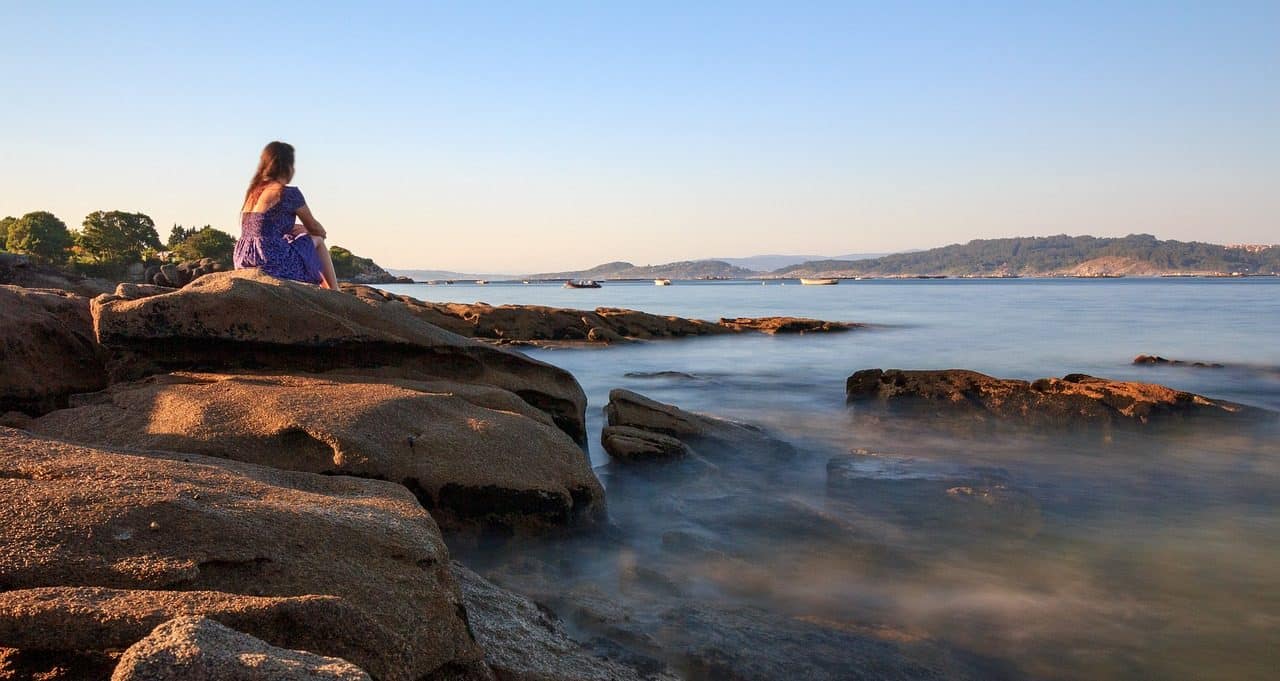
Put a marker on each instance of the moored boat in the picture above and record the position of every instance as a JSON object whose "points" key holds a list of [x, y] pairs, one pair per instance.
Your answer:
{"points": [[582, 283], [819, 282], [661, 282]]}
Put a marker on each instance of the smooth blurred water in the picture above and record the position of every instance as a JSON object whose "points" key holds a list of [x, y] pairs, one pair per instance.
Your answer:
{"points": [[1147, 555]]}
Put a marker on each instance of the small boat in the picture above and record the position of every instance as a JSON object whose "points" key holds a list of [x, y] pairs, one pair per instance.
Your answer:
{"points": [[482, 282], [819, 282], [582, 283], [661, 282]]}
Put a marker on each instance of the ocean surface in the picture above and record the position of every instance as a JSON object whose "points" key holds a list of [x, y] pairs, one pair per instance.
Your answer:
{"points": [[1153, 554]]}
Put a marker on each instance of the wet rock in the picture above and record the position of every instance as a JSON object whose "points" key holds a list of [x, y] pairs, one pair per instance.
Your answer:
{"points": [[775, 325], [473, 454], [47, 349], [358, 562], [1156, 359], [1072, 399], [636, 445], [524, 642], [229, 321], [633, 410], [925, 494], [200, 649]]}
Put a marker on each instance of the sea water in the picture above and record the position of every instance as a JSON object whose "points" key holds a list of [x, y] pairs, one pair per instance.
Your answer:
{"points": [[1153, 554]]}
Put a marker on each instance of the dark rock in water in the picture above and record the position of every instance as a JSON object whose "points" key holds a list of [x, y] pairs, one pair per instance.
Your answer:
{"points": [[474, 455], [246, 320], [524, 642], [926, 494], [99, 547], [20, 270], [663, 374], [775, 325], [1070, 400], [639, 413], [191, 648], [636, 445], [47, 349], [1156, 359]]}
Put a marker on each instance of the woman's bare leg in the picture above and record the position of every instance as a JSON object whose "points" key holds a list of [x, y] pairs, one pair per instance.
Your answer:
{"points": [[326, 264]]}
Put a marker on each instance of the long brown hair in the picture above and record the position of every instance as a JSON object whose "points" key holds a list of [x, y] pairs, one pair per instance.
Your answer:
{"points": [[276, 164]]}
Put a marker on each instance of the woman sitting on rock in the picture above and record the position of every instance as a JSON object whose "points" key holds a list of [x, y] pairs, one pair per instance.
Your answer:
{"points": [[269, 239]]}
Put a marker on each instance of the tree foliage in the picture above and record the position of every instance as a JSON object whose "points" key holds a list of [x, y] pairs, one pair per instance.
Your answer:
{"points": [[205, 242], [5, 224], [116, 237], [40, 234]]}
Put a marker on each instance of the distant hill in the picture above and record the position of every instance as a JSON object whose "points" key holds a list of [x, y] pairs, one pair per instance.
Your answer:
{"points": [[433, 275], [688, 269], [768, 263], [1136, 254]]}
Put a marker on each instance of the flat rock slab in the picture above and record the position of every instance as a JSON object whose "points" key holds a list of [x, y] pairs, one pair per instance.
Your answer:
{"points": [[196, 648], [47, 349], [99, 545], [246, 320], [472, 454], [635, 445], [1070, 400]]}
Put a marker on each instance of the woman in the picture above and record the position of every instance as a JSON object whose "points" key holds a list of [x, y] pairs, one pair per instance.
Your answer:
{"points": [[269, 239]]}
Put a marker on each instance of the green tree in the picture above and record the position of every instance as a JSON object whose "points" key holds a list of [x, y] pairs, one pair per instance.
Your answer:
{"points": [[206, 243], [5, 224], [116, 237], [178, 235], [40, 234]]}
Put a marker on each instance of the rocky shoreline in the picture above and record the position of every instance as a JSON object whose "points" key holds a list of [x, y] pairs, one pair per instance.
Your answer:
{"points": [[248, 468]]}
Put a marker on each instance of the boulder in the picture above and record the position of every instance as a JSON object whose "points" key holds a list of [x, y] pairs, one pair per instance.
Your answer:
{"points": [[196, 648], [21, 270], [1070, 400], [525, 642], [229, 321], [635, 445], [47, 349], [358, 562], [473, 454]]}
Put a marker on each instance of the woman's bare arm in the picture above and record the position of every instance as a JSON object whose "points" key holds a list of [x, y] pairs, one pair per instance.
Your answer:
{"points": [[314, 228]]}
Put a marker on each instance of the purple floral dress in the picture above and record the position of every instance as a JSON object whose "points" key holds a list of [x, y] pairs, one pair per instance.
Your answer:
{"points": [[266, 242]]}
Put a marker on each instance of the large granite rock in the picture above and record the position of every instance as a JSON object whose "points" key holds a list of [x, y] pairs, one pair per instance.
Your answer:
{"points": [[337, 566], [1073, 399], [229, 321], [540, 324], [196, 648], [473, 454], [523, 642], [47, 349]]}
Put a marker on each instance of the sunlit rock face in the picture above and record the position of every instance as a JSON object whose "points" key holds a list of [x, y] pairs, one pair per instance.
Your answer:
{"points": [[475, 455], [1075, 399], [245, 320], [101, 546]]}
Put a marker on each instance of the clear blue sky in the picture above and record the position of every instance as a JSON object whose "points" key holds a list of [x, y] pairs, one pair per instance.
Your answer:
{"points": [[545, 135]]}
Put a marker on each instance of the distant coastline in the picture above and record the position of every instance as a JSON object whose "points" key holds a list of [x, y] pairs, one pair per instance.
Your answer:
{"points": [[1136, 255]]}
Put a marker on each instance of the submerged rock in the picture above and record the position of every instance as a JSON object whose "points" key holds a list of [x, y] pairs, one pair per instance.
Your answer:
{"points": [[47, 349], [640, 414], [1072, 399], [473, 454], [196, 648], [524, 642], [775, 325], [634, 444], [100, 547], [233, 321]]}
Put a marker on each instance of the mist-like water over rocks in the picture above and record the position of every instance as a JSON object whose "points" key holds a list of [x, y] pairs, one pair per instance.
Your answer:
{"points": [[911, 546]]}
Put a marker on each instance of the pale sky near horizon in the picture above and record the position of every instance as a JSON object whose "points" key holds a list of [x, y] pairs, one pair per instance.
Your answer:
{"points": [[520, 137]]}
